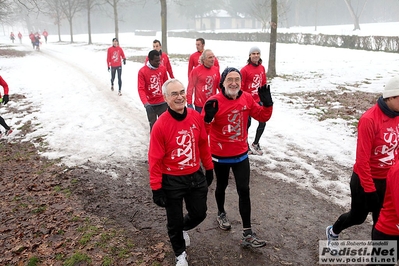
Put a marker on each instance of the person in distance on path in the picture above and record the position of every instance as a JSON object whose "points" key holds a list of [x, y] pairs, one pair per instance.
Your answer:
{"points": [[115, 57]]}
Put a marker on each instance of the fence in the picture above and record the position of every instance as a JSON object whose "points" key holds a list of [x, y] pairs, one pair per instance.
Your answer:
{"points": [[369, 43]]}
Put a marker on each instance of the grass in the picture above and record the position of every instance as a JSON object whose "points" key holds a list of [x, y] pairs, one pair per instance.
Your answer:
{"points": [[77, 258], [34, 261]]}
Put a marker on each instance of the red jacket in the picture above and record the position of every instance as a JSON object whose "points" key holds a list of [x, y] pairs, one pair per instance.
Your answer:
{"points": [[194, 61], [203, 82], [114, 56], [228, 131], [177, 147], [166, 63], [4, 84], [149, 84], [377, 146], [253, 77], [388, 221], [45, 33]]}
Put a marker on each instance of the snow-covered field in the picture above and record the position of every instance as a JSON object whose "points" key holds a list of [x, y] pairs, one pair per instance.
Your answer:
{"points": [[81, 119]]}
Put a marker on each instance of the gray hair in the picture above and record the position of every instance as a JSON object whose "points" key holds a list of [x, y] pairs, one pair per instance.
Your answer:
{"points": [[203, 55], [169, 81]]}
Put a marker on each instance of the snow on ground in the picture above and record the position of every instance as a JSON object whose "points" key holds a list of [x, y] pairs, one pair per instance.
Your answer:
{"points": [[82, 120]]}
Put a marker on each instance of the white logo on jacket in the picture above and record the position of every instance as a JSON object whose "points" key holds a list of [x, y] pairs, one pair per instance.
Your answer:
{"points": [[256, 83], [234, 128], [390, 150], [155, 84], [184, 154]]}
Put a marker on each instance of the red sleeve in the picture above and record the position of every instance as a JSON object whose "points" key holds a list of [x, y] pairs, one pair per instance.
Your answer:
{"points": [[394, 187], [217, 82], [204, 147], [122, 53], [108, 58], [141, 85], [190, 87], [168, 66], [364, 145], [165, 75], [216, 64], [4, 84], [156, 153], [190, 64], [258, 112]]}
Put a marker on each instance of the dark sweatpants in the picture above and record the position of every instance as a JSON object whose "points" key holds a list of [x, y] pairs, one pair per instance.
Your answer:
{"points": [[241, 175], [119, 70], [4, 124], [359, 209], [193, 189], [156, 111]]}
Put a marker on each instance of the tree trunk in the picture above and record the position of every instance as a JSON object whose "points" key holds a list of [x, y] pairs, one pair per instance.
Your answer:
{"points": [[353, 15], [164, 26], [271, 71], [88, 20], [116, 20], [71, 29], [59, 28], [315, 17]]}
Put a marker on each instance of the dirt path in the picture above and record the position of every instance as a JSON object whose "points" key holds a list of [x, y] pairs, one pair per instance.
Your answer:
{"points": [[291, 219]]}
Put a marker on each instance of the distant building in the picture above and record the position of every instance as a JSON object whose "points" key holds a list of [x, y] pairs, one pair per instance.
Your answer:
{"points": [[221, 19]]}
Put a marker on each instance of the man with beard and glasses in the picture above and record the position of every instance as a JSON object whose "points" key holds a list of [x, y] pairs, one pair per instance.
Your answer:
{"points": [[226, 116]]}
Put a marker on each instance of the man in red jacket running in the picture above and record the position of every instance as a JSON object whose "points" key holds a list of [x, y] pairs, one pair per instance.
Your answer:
{"points": [[115, 56], [226, 115], [203, 81], [376, 152], [178, 146], [156, 45], [254, 77], [194, 59], [150, 79]]}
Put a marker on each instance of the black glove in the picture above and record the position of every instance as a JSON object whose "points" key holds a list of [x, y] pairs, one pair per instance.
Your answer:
{"points": [[265, 96], [190, 106], [211, 108], [109, 69], [209, 176], [124, 61], [5, 99], [372, 200], [159, 197]]}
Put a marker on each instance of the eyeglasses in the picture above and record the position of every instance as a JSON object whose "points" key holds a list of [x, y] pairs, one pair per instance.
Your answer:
{"points": [[231, 80], [175, 94]]}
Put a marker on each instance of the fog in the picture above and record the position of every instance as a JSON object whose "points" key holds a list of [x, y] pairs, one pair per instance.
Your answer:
{"points": [[146, 15]]}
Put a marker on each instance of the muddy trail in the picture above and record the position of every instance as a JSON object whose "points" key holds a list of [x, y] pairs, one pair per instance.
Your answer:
{"points": [[291, 219]]}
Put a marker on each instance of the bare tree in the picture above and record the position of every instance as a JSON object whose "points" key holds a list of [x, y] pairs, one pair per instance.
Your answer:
{"points": [[355, 15], [164, 25], [259, 9], [70, 8], [271, 70], [114, 5], [53, 9], [90, 4]]}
